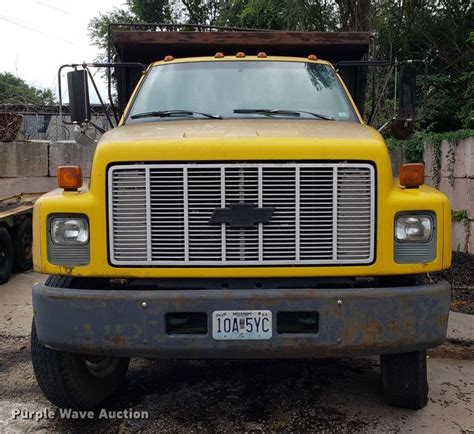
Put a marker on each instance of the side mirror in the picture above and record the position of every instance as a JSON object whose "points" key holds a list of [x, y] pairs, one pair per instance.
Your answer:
{"points": [[403, 125], [79, 103], [407, 92]]}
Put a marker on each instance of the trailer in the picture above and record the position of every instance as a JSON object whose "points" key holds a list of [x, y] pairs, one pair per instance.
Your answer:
{"points": [[16, 237]]}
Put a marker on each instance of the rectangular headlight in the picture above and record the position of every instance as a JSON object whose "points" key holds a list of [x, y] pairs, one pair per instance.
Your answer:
{"points": [[413, 228], [415, 237], [69, 231]]}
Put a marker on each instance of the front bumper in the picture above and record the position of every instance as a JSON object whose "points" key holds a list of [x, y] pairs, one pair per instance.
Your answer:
{"points": [[352, 321]]}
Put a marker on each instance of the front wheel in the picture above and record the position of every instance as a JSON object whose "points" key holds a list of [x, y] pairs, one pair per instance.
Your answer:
{"points": [[76, 381], [404, 379]]}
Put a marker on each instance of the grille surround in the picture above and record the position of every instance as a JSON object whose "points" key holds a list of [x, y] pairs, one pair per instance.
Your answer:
{"points": [[148, 196]]}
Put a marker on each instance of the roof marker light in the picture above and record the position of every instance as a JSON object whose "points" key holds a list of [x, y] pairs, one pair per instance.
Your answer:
{"points": [[313, 57], [240, 54], [219, 55], [169, 58], [262, 55]]}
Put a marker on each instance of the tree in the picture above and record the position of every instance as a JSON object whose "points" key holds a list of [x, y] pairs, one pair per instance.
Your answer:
{"points": [[14, 90], [298, 15], [436, 31], [98, 28], [467, 82], [433, 30]]}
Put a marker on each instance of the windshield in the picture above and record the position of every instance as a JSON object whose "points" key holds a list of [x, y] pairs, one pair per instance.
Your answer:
{"points": [[241, 89]]}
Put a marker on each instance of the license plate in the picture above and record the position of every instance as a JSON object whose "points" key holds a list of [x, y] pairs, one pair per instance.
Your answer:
{"points": [[241, 324]]}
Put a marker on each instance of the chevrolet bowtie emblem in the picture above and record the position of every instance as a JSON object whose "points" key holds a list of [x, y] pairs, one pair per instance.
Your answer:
{"points": [[241, 215]]}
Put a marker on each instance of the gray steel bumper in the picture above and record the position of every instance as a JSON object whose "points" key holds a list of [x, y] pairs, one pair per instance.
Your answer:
{"points": [[351, 321]]}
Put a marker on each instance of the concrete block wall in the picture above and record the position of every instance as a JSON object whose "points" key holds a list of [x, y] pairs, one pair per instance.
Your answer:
{"points": [[461, 193], [30, 167], [70, 153], [19, 159]]}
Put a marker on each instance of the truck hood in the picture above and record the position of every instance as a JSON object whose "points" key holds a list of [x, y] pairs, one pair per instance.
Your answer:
{"points": [[240, 140], [241, 128]]}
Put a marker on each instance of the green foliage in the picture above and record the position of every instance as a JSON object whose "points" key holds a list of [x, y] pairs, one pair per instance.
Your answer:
{"points": [[453, 138], [14, 90], [438, 31], [462, 216], [151, 11], [413, 149], [299, 15], [467, 81], [98, 28]]}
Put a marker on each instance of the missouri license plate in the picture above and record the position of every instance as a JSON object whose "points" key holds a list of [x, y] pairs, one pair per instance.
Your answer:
{"points": [[241, 324]]}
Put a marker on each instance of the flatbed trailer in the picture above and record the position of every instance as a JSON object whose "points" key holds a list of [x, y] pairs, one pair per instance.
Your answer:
{"points": [[16, 236]]}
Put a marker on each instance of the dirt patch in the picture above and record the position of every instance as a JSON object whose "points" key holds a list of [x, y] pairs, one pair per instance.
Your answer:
{"points": [[461, 277], [453, 349], [209, 396]]}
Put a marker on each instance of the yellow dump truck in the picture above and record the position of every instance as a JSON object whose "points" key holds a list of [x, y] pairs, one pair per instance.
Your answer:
{"points": [[240, 209]]}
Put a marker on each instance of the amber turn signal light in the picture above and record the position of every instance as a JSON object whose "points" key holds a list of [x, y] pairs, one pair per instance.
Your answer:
{"points": [[69, 177], [412, 175]]}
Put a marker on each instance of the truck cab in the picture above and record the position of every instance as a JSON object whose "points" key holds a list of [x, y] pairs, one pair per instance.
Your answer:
{"points": [[240, 209]]}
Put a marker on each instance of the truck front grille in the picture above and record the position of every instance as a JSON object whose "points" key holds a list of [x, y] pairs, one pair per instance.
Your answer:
{"points": [[323, 214]]}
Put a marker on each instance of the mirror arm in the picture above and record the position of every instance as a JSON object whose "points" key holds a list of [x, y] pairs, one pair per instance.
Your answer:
{"points": [[98, 96], [99, 129], [109, 74], [86, 66], [380, 96], [395, 90], [359, 63], [61, 93], [383, 126]]}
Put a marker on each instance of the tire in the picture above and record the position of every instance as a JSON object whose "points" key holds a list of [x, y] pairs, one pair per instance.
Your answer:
{"points": [[404, 379], [22, 240], [76, 381], [6, 255]]}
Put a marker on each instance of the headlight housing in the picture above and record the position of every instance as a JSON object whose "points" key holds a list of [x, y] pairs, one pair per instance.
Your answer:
{"points": [[414, 228], [67, 231]]}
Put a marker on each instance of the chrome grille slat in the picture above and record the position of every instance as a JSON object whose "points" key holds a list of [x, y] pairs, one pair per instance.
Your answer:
{"points": [[159, 214]]}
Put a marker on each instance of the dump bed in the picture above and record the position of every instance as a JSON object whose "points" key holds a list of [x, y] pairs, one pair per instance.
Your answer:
{"points": [[150, 46]]}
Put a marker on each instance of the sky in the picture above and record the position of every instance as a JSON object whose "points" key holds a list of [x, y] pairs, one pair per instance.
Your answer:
{"points": [[38, 36]]}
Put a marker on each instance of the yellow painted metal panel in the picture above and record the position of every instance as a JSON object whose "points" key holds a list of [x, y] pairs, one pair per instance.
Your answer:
{"points": [[139, 143]]}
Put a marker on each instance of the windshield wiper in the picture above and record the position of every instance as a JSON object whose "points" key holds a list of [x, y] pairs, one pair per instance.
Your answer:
{"points": [[268, 112], [170, 113]]}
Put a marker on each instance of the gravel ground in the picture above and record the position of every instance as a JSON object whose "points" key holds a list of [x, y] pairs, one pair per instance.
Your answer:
{"points": [[330, 395]]}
